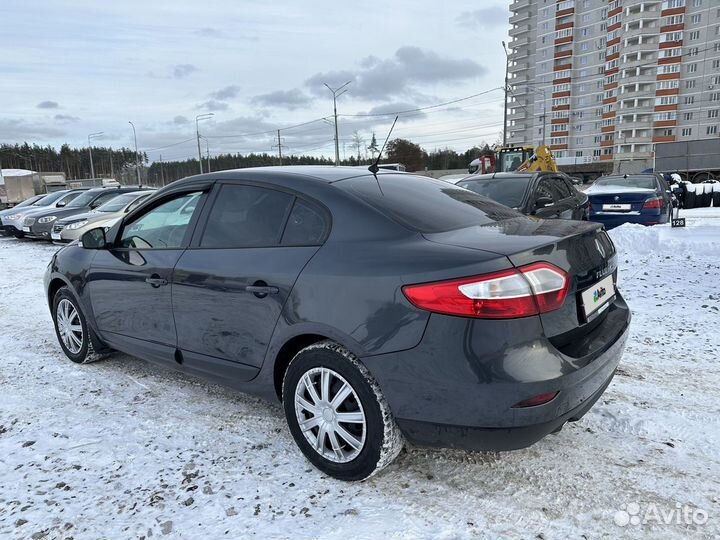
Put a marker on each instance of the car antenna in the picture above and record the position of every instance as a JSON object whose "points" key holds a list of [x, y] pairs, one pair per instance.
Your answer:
{"points": [[374, 167]]}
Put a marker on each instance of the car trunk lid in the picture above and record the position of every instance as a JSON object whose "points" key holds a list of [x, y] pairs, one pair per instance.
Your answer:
{"points": [[580, 248], [621, 201]]}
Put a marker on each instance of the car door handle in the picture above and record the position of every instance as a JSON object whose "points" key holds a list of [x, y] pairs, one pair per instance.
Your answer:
{"points": [[261, 290], [156, 281]]}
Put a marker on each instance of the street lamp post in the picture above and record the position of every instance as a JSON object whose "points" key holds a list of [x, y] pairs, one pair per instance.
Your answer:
{"points": [[197, 134], [507, 67], [92, 166], [137, 156], [336, 93]]}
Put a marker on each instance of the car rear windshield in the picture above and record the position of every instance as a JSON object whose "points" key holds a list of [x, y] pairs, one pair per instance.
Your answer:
{"points": [[639, 182], [509, 190], [424, 204]]}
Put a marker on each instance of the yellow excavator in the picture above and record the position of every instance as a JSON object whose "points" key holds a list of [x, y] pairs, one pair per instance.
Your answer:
{"points": [[525, 159]]}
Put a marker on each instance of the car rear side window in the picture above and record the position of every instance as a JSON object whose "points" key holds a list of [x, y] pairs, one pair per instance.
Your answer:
{"points": [[306, 226], [245, 216], [424, 204]]}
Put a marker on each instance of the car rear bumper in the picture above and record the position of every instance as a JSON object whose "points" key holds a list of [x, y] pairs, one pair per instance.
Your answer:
{"points": [[458, 387], [611, 220]]}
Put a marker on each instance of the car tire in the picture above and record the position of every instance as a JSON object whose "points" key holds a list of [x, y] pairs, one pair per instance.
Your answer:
{"points": [[71, 328], [350, 451]]}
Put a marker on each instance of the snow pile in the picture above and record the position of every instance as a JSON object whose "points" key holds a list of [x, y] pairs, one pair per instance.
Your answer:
{"points": [[701, 235]]}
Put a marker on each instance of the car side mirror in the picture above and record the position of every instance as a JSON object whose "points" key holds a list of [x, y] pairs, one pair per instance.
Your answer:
{"points": [[542, 202], [94, 239], [60, 204]]}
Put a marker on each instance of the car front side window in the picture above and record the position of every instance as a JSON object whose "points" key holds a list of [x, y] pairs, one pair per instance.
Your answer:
{"points": [[163, 227]]}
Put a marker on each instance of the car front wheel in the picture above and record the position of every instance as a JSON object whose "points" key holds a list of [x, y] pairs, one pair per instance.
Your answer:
{"points": [[71, 328], [337, 414]]}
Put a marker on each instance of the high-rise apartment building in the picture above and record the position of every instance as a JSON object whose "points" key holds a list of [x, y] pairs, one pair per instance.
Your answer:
{"points": [[603, 81]]}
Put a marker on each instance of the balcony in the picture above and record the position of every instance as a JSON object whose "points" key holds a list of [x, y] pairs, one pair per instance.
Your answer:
{"points": [[524, 15], [519, 42], [519, 30], [519, 4], [519, 68]]}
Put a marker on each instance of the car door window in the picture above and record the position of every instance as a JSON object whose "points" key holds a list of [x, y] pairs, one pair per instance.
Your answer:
{"points": [[545, 188], [562, 187], [102, 199], [163, 227], [245, 216], [137, 202], [307, 225]]}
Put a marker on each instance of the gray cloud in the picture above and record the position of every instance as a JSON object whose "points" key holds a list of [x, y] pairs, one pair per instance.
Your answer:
{"points": [[226, 93], [180, 120], [288, 99], [378, 79], [488, 18], [66, 118], [208, 32], [183, 70], [214, 105], [48, 105], [19, 130]]}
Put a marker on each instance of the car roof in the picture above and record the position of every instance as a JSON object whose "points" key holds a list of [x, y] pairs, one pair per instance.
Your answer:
{"points": [[500, 175], [325, 174]]}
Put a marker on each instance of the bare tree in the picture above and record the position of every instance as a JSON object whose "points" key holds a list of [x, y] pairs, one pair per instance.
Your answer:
{"points": [[358, 143]]}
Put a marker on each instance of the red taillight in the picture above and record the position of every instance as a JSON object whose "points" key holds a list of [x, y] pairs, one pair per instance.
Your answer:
{"points": [[540, 399], [653, 203], [509, 294]]}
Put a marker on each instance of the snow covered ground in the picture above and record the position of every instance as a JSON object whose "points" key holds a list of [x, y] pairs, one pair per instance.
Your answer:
{"points": [[122, 449]]}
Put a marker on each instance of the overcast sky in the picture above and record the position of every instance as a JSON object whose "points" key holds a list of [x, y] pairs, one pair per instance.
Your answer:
{"points": [[72, 67]]}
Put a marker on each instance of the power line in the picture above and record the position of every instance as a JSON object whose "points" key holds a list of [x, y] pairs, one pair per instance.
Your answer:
{"points": [[418, 109]]}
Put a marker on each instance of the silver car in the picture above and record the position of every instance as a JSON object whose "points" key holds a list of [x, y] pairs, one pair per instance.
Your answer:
{"points": [[12, 222], [72, 228]]}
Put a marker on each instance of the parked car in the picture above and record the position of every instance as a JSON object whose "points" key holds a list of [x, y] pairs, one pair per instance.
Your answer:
{"points": [[27, 202], [13, 223], [634, 198], [542, 194], [39, 225], [372, 307], [72, 228]]}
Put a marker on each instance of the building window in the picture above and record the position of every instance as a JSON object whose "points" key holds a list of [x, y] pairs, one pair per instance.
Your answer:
{"points": [[692, 68], [688, 116], [697, 3], [596, 153], [690, 83], [689, 100], [716, 64], [713, 113], [716, 79], [694, 35], [715, 96], [686, 132], [693, 51], [578, 153], [695, 19], [712, 130]]}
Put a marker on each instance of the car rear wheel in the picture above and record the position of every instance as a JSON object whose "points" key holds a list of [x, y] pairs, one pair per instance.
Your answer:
{"points": [[72, 330], [337, 414]]}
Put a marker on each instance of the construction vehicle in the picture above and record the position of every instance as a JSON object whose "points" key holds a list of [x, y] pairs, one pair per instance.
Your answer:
{"points": [[525, 159]]}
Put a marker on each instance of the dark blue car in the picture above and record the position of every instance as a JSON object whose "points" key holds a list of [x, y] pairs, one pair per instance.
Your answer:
{"points": [[630, 198]]}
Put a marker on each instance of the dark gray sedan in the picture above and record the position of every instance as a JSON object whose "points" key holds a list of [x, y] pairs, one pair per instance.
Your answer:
{"points": [[374, 308]]}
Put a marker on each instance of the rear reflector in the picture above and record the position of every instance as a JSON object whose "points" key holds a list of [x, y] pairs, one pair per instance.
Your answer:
{"points": [[540, 399], [653, 203], [509, 294]]}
